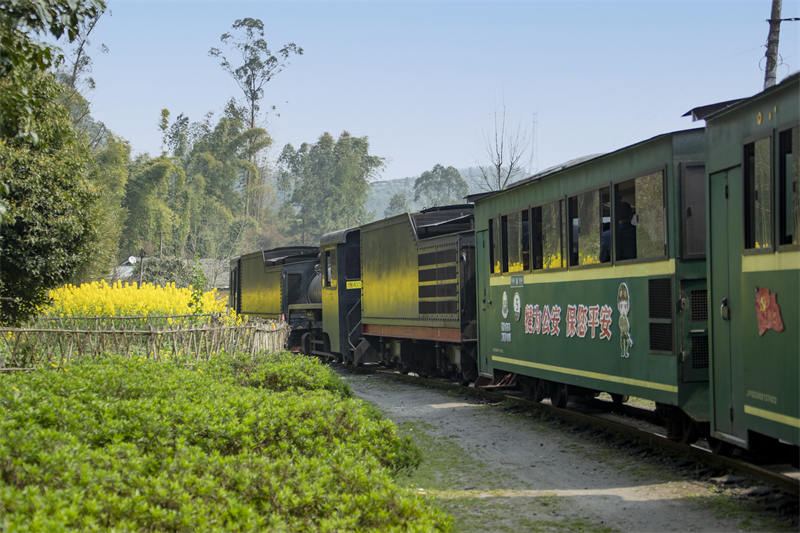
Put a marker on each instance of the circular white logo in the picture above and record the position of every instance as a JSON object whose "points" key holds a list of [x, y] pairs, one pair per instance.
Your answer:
{"points": [[517, 305], [504, 308]]}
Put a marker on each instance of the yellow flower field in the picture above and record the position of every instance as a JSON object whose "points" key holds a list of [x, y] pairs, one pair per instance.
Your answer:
{"points": [[125, 299]]}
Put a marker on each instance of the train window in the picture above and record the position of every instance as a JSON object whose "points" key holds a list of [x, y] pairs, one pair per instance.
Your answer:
{"points": [[494, 266], [514, 225], [789, 185], [504, 241], [546, 229], [583, 214], [525, 235], [757, 194], [605, 224], [352, 263], [326, 269], [639, 220]]}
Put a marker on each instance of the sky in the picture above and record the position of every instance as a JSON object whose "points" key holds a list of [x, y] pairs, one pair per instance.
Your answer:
{"points": [[423, 80]]}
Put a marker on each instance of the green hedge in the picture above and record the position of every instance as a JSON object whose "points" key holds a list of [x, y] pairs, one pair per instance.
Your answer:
{"points": [[272, 443]]}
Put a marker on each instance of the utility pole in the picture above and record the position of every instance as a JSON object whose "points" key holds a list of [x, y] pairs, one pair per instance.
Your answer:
{"points": [[772, 44]]}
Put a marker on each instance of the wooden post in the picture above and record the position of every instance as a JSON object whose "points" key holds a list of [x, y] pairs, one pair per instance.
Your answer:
{"points": [[770, 73]]}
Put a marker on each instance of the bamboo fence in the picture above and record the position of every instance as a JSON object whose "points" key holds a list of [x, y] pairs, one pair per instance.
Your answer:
{"points": [[28, 348]]}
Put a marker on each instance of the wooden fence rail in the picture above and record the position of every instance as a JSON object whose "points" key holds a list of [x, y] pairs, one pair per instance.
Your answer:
{"points": [[27, 348]]}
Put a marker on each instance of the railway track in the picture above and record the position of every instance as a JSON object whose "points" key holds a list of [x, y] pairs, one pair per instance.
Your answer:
{"points": [[632, 423]]}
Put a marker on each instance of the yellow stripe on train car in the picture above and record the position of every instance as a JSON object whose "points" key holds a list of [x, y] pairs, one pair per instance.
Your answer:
{"points": [[587, 374]]}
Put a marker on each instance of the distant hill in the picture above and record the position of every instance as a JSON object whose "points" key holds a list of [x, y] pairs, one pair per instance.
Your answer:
{"points": [[380, 192]]}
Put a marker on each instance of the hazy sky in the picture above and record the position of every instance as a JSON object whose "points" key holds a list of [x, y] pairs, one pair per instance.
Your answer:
{"points": [[423, 79]]}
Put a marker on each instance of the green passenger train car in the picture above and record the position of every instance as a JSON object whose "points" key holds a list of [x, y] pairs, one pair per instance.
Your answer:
{"points": [[753, 208], [592, 277]]}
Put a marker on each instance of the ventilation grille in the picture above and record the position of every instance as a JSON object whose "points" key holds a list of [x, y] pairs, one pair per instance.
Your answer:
{"points": [[438, 257], [438, 291], [447, 307], [700, 351], [700, 306], [438, 274], [660, 294], [661, 337]]}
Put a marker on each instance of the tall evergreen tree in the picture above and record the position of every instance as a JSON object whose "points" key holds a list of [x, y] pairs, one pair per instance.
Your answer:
{"points": [[326, 184]]}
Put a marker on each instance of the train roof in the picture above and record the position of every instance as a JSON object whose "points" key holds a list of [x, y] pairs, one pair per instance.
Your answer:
{"points": [[288, 254], [442, 220], [336, 237], [763, 94], [574, 163]]}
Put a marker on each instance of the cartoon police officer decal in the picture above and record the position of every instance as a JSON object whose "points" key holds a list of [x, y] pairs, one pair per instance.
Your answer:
{"points": [[624, 306], [504, 308], [517, 306]]}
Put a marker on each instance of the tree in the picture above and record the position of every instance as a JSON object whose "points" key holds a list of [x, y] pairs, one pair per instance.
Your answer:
{"points": [[21, 56], [398, 204], [326, 184], [48, 232], [108, 176], [440, 186], [258, 66], [505, 149]]}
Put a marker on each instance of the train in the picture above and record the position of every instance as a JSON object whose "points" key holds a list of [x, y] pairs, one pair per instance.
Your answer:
{"points": [[667, 270]]}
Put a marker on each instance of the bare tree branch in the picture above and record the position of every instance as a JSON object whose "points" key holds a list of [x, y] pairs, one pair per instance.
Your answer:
{"points": [[505, 150]]}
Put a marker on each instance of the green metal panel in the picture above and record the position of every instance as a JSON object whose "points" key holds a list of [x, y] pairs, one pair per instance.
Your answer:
{"points": [[721, 241], [599, 359], [755, 372], [261, 287]]}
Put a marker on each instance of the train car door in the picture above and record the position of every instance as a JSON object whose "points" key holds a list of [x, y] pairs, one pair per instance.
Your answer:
{"points": [[726, 253], [484, 299]]}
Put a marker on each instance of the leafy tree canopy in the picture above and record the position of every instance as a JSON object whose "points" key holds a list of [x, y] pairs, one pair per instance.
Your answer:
{"points": [[397, 204], [326, 183], [48, 231], [440, 186]]}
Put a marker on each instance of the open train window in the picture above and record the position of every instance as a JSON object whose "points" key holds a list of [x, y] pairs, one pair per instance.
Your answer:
{"points": [[525, 235], [639, 218], [789, 186], [326, 269], [757, 194], [546, 229], [504, 242], [514, 246], [584, 219]]}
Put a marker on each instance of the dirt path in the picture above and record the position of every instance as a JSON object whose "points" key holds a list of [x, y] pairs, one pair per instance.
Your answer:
{"points": [[495, 470]]}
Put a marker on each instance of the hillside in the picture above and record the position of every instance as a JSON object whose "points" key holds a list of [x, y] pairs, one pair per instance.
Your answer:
{"points": [[380, 192]]}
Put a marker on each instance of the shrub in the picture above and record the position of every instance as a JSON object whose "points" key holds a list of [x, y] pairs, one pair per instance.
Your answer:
{"points": [[139, 445]]}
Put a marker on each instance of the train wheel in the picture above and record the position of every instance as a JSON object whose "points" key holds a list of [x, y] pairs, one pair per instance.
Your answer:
{"points": [[619, 399], [559, 394], [469, 367], [541, 391], [720, 447]]}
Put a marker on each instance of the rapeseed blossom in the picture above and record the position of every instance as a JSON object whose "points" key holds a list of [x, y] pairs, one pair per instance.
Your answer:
{"points": [[99, 299]]}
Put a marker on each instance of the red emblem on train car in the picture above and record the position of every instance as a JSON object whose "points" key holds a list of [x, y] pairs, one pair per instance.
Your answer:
{"points": [[768, 311]]}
